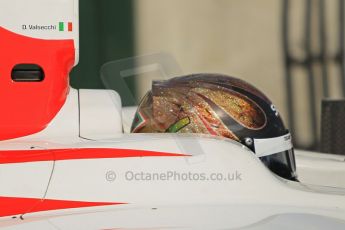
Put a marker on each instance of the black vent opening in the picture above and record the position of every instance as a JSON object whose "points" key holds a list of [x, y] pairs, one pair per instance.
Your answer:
{"points": [[27, 73]]}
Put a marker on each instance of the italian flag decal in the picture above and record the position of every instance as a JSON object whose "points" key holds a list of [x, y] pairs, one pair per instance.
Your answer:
{"points": [[66, 26], [139, 121]]}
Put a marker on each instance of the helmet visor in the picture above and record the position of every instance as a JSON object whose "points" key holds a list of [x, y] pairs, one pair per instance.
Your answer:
{"points": [[278, 155]]}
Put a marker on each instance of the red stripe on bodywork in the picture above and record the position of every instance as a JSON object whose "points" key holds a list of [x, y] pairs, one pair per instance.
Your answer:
{"points": [[22, 156], [28, 107], [10, 206]]}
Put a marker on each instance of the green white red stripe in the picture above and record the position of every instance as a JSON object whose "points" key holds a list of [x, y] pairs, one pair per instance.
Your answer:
{"points": [[65, 26]]}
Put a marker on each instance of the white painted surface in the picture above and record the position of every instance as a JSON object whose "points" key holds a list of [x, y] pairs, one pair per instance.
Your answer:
{"points": [[255, 199], [30, 180], [41, 13], [208, 217], [320, 169], [128, 114], [65, 123], [100, 114]]}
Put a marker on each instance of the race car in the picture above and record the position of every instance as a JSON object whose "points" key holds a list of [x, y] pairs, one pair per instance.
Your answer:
{"points": [[182, 159]]}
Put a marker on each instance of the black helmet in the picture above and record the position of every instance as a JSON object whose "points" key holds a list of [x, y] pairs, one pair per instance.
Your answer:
{"points": [[223, 106]]}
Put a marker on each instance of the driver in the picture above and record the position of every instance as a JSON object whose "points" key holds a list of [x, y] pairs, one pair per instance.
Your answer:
{"points": [[219, 105]]}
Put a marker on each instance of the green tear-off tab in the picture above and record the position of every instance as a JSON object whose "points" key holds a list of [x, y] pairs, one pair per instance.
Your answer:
{"points": [[178, 125]]}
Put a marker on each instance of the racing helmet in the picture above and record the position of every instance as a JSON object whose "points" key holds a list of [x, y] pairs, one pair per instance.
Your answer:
{"points": [[223, 106]]}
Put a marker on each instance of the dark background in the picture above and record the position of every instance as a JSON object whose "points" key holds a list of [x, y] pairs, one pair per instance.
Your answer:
{"points": [[106, 34]]}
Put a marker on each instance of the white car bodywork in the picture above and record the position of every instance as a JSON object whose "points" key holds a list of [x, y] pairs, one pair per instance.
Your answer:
{"points": [[85, 170], [258, 200]]}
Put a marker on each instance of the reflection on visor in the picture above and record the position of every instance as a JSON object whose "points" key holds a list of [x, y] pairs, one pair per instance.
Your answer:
{"points": [[278, 155], [282, 163]]}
